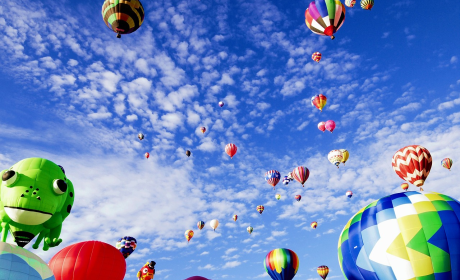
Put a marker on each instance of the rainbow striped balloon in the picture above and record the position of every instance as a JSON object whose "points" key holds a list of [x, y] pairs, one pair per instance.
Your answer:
{"points": [[447, 163], [281, 264]]}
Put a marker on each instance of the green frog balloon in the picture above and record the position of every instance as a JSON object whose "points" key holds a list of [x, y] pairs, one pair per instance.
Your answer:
{"points": [[35, 198]]}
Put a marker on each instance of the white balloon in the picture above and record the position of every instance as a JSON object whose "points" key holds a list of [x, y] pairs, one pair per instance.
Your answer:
{"points": [[214, 224]]}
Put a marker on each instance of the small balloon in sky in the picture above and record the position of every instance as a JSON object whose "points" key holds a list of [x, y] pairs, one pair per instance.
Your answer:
{"points": [[314, 225], [188, 153], [322, 126], [323, 271], [281, 264], [367, 4], [349, 194], [221, 104], [412, 164], [278, 196], [447, 163], [231, 149], [298, 197], [345, 155], [272, 177], [200, 225], [214, 224], [250, 229], [123, 17], [301, 174], [203, 129], [405, 186], [330, 125], [350, 3], [316, 56], [235, 217], [189, 234], [147, 155], [335, 157], [325, 17], [140, 136], [319, 101], [260, 209]]}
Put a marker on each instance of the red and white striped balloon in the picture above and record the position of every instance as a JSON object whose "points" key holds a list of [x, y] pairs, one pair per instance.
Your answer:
{"points": [[231, 149], [301, 174], [412, 164]]}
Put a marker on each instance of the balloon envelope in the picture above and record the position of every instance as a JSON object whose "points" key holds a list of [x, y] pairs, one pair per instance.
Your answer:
{"points": [[123, 17], [272, 177], [316, 56], [412, 164], [214, 224], [330, 125], [231, 149], [126, 245], [281, 264], [301, 174], [322, 126], [197, 278], [325, 17], [447, 163]]}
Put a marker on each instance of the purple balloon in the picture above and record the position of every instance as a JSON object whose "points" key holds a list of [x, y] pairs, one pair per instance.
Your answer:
{"points": [[197, 278]]}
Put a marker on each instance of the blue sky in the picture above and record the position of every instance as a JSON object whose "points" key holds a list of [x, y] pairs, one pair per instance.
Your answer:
{"points": [[73, 93]]}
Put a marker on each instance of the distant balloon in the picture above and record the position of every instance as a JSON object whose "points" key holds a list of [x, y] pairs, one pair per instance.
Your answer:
{"points": [[140, 136], [286, 180], [197, 278], [322, 126], [325, 17], [345, 155], [405, 186], [314, 225], [214, 224], [278, 196], [301, 174], [349, 194], [367, 4], [298, 197], [235, 217], [319, 101], [231, 149], [260, 209], [123, 17], [323, 271], [290, 177], [188, 153], [316, 56], [147, 155], [335, 157], [200, 225], [272, 177], [203, 129], [281, 264], [126, 245], [330, 125], [350, 3], [250, 229], [412, 164], [447, 163], [221, 104], [189, 234]]}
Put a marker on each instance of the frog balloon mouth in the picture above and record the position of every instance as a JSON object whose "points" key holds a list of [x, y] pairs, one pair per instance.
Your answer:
{"points": [[27, 216]]}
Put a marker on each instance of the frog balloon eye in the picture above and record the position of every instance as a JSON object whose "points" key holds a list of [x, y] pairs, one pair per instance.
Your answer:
{"points": [[9, 177], [59, 186]]}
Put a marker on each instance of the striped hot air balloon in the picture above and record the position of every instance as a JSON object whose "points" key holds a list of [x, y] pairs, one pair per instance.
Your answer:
{"points": [[301, 174], [447, 163], [314, 225], [405, 186], [325, 17], [323, 271], [319, 101], [189, 234], [350, 3], [123, 16], [412, 164], [367, 4], [231, 149], [281, 264], [235, 217], [260, 209], [272, 177], [316, 56], [200, 225], [250, 229]]}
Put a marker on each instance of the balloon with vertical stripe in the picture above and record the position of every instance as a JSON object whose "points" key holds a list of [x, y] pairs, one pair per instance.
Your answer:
{"points": [[301, 174], [325, 17], [447, 163], [281, 264], [123, 16], [323, 271], [367, 4]]}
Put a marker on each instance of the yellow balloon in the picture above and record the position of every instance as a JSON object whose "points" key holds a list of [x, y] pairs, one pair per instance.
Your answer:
{"points": [[345, 154]]}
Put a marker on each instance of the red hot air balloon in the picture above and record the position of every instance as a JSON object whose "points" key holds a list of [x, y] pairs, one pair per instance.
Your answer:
{"points": [[88, 260], [330, 125], [301, 174], [230, 149], [322, 126], [412, 164], [147, 155]]}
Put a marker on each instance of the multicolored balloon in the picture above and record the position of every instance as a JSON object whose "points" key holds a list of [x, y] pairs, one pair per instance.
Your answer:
{"points": [[250, 229], [290, 177], [447, 163], [322, 126], [325, 17], [323, 271], [278, 196], [335, 157], [281, 264], [313, 225], [345, 155], [286, 180], [350, 3], [412, 164], [235, 217], [123, 17], [408, 235], [319, 101], [146, 155], [260, 209], [214, 224], [298, 197], [126, 245], [140, 136], [330, 125], [221, 104], [349, 194], [203, 129], [405, 186], [272, 177], [316, 56], [367, 4], [301, 174], [188, 153], [231, 149], [189, 234], [200, 225]]}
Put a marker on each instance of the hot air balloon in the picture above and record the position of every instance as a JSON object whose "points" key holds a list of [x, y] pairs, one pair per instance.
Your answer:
{"points": [[325, 17], [231, 149], [200, 225], [250, 229], [203, 129], [286, 180], [235, 217], [412, 164], [281, 264], [408, 235], [322, 126], [349, 194], [316, 56], [298, 197], [278, 196], [345, 155], [147, 155], [335, 157], [367, 4], [290, 177], [330, 125], [188, 153], [323, 271], [147, 271], [197, 278], [189, 234], [214, 224], [123, 17], [140, 136], [405, 186], [319, 101], [272, 177], [314, 225], [447, 163], [301, 174], [221, 104], [350, 3], [126, 245], [260, 209], [88, 260]]}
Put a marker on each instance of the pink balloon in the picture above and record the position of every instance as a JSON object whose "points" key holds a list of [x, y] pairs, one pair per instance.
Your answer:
{"points": [[330, 125], [322, 126]]}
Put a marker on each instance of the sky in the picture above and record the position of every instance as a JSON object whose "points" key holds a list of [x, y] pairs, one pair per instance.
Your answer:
{"points": [[73, 93]]}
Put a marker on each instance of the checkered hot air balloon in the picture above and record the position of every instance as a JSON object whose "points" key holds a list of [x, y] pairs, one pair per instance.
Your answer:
{"points": [[313, 225], [350, 3], [408, 235], [231, 149], [235, 217], [260, 209], [200, 225], [325, 17], [367, 4], [412, 164], [281, 264], [126, 245], [298, 197], [330, 125], [272, 177], [319, 101], [301, 174], [447, 163], [123, 17], [322, 126], [316, 56], [323, 271], [349, 194], [286, 180], [335, 157], [405, 186], [189, 234]]}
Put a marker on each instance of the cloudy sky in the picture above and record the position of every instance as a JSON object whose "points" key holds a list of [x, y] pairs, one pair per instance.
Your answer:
{"points": [[73, 93]]}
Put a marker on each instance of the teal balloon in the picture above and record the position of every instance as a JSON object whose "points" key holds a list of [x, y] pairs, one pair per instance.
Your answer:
{"points": [[17, 263]]}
